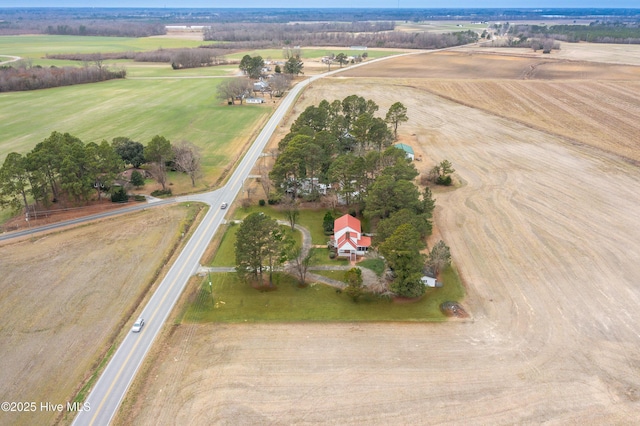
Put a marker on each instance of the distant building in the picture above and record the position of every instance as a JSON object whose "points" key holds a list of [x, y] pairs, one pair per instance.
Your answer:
{"points": [[407, 150], [254, 100]]}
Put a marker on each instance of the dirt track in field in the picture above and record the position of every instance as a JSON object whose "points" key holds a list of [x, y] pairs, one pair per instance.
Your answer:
{"points": [[544, 231], [65, 295]]}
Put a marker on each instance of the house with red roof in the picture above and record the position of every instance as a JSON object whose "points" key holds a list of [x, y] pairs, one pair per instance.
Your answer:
{"points": [[347, 237]]}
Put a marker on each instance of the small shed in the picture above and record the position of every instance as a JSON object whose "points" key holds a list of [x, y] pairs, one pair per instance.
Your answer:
{"points": [[430, 281], [407, 150]]}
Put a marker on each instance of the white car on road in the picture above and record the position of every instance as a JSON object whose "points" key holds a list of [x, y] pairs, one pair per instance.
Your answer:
{"points": [[137, 326]]}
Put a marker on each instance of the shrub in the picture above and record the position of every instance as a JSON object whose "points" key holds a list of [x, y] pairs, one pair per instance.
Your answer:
{"points": [[161, 193], [136, 179], [119, 196], [444, 180], [261, 203], [139, 197]]}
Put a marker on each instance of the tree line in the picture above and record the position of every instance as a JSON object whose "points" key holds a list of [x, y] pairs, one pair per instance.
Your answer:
{"points": [[181, 57], [64, 166], [596, 32], [23, 76], [247, 35], [106, 29]]}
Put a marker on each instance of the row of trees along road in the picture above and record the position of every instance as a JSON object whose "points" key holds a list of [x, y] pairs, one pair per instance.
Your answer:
{"points": [[63, 165]]}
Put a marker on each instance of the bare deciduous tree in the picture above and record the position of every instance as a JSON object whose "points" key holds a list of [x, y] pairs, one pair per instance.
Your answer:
{"points": [[233, 89], [186, 158], [159, 173], [264, 178], [279, 83]]}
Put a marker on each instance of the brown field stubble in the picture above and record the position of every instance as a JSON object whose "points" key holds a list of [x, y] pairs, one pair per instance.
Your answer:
{"points": [[65, 295], [544, 230]]}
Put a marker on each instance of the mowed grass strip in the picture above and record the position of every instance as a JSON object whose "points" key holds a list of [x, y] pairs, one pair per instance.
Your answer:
{"points": [[179, 109], [232, 301]]}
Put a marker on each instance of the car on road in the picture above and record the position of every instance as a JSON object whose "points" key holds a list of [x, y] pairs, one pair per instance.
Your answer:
{"points": [[137, 326], [223, 206]]}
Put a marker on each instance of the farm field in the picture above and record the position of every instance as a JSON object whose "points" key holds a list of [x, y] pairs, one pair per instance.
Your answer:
{"points": [[177, 108], [154, 100], [585, 102], [65, 296], [38, 46], [543, 230]]}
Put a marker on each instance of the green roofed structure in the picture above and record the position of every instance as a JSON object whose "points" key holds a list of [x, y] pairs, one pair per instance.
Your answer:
{"points": [[407, 150]]}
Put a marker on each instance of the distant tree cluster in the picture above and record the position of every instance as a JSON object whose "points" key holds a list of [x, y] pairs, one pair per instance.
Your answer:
{"points": [[108, 29], [245, 35], [24, 77], [290, 34], [596, 32], [179, 58]]}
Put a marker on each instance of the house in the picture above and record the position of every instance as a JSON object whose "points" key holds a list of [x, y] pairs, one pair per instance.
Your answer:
{"points": [[254, 100], [347, 238], [309, 185], [407, 150], [260, 86]]}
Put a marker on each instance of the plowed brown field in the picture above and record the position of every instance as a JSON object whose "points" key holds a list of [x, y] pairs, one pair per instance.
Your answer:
{"points": [[65, 296], [544, 228]]}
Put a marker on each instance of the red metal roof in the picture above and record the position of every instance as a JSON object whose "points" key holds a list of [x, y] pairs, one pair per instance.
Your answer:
{"points": [[346, 221]]}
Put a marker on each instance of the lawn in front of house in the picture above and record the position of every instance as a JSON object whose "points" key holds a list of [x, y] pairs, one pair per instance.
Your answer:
{"points": [[233, 301], [226, 253]]}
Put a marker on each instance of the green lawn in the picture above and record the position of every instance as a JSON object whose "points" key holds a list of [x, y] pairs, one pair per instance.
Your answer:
{"points": [[234, 301], [310, 219], [337, 275], [376, 265], [321, 257]]}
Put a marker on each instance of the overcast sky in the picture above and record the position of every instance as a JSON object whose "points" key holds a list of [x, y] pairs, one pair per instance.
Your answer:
{"points": [[327, 3]]}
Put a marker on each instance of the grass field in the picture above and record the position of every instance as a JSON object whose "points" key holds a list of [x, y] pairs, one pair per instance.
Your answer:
{"points": [[180, 105], [36, 47], [179, 109], [234, 301]]}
